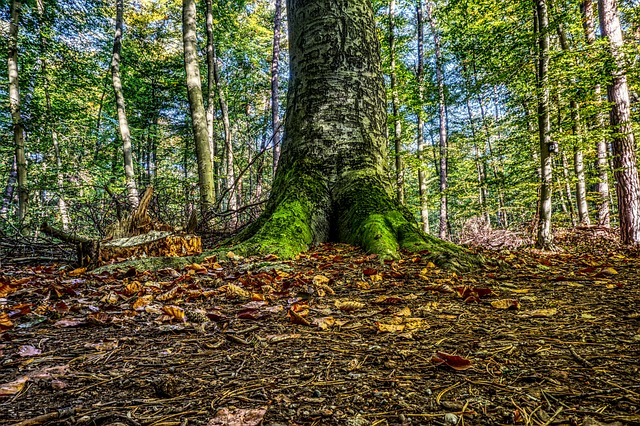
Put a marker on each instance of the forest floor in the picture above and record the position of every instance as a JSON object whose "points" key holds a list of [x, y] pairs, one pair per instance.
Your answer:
{"points": [[334, 337]]}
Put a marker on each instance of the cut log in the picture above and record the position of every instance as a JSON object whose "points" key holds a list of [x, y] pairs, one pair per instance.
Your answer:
{"points": [[151, 244]]}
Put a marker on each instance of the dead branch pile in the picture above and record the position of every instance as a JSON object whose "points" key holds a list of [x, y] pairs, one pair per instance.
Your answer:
{"points": [[477, 232]]}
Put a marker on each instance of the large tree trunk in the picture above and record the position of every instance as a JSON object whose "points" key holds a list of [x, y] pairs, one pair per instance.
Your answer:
{"points": [[422, 179], [443, 230], [275, 65], [198, 116], [10, 188], [623, 143], [14, 105], [332, 181], [211, 99], [604, 215], [395, 104], [123, 123], [545, 238]]}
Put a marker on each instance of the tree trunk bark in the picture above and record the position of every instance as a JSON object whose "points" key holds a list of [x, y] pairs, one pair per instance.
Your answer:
{"points": [[443, 230], [10, 188], [198, 116], [567, 189], [332, 182], [623, 142], [123, 124], [275, 86], [422, 179], [395, 104], [211, 100], [14, 106], [544, 238]]}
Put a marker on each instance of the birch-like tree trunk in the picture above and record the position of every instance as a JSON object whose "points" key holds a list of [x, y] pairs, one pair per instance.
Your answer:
{"points": [[422, 179], [123, 123], [395, 104], [623, 144], [275, 85], [544, 238], [443, 229], [604, 213], [211, 100], [196, 105], [14, 106]]}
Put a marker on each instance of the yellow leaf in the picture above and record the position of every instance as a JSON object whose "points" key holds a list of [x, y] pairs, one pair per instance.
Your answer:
{"points": [[587, 316], [543, 313], [375, 278], [506, 304], [389, 328], [363, 285], [233, 291], [77, 272], [609, 271], [174, 311], [404, 312], [231, 255], [320, 279], [324, 322], [141, 302], [521, 290], [348, 305], [132, 288]]}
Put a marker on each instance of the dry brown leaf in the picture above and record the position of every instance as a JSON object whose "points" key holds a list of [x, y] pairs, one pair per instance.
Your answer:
{"points": [[78, 271], [28, 350], [238, 417], [174, 311], [132, 288], [349, 305], [5, 322], [389, 328], [233, 291], [324, 323], [296, 318], [543, 313], [141, 302], [404, 312], [12, 388], [454, 361]]}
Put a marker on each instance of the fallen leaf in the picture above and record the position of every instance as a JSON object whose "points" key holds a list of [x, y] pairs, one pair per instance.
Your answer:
{"points": [[389, 328], [608, 271], [69, 322], [369, 271], [132, 288], [543, 313], [454, 361], [58, 384], [238, 417], [404, 312], [5, 322], [12, 388], [324, 323], [28, 350], [6, 290], [348, 305], [141, 302], [175, 312], [233, 291], [506, 304], [297, 318], [78, 271]]}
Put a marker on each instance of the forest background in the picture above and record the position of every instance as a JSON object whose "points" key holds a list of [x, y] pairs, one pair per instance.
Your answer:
{"points": [[464, 91]]}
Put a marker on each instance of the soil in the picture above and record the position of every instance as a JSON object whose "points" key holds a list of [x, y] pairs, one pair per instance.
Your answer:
{"points": [[334, 337]]}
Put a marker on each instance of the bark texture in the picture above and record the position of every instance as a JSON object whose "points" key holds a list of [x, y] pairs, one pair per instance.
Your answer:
{"points": [[196, 105], [123, 123], [211, 98], [395, 104], [544, 238], [14, 106], [623, 144], [332, 181]]}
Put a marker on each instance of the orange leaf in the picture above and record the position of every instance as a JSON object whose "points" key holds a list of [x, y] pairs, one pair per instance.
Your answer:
{"points": [[297, 318], [141, 302], [5, 322], [77, 272], [12, 388]]}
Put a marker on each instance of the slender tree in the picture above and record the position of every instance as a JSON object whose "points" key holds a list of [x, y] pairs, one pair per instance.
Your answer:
{"points": [[422, 179], [601, 144], [275, 65], [198, 116], [545, 238], [123, 123], [623, 144], [443, 230], [395, 103], [211, 98], [14, 105]]}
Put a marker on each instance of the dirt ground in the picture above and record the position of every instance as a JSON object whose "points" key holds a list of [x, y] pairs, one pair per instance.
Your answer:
{"points": [[333, 338]]}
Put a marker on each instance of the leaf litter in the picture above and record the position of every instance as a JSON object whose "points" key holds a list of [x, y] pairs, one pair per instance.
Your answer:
{"points": [[334, 337]]}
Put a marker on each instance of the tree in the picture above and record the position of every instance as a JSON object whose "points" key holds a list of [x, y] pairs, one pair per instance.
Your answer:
{"points": [[275, 65], [623, 144], [422, 179], [395, 103], [545, 238], [443, 231], [14, 105], [198, 116], [123, 123], [332, 182]]}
